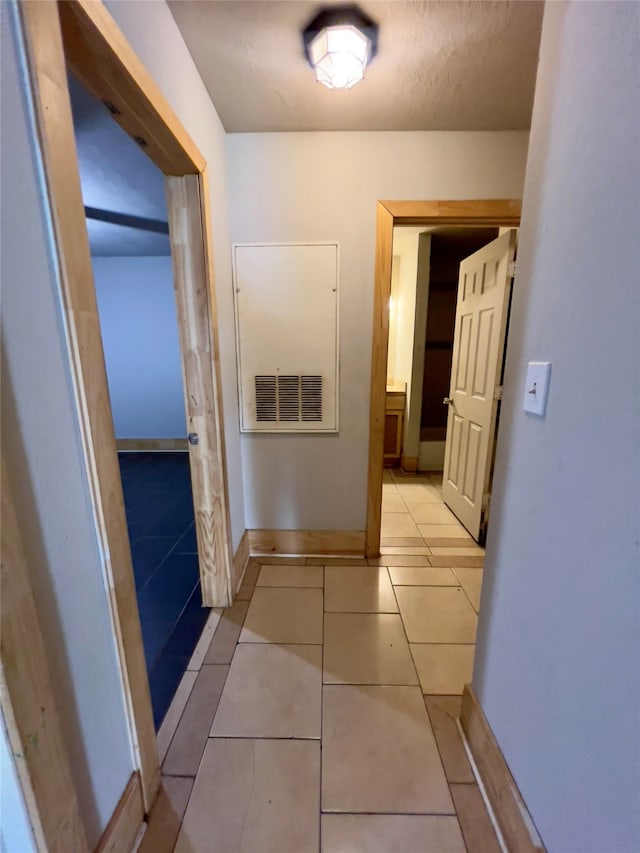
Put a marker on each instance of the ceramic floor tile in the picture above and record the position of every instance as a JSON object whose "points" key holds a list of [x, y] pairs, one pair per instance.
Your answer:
{"points": [[471, 580], [443, 713], [366, 648], [437, 614], [166, 815], [249, 579], [200, 651], [173, 715], [346, 833], [419, 493], [271, 691], [422, 576], [223, 644], [458, 551], [448, 531], [308, 576], [431, 513], [254, 795], [379, 753], [402, 551], [336, 561], [402, 541], [193, 729], [477, 829], [284, 615], [400, 560], [392, 502], [443, 668], [453, 560], [358, 590], [398, 524]]}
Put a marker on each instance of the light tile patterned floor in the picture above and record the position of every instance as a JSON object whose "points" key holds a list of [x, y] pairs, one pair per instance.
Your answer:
{"points": [[323, 714]]}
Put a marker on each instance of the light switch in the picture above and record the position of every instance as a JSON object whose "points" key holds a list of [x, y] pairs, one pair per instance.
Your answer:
{"points": [[537, 387]]}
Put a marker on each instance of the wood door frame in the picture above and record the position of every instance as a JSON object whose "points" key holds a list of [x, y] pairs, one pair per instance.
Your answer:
{"points": [[83, 35], [504, 212]]}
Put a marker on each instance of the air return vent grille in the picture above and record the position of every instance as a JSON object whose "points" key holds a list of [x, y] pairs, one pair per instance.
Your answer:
{"points": [[288, 399], [286, 304]]}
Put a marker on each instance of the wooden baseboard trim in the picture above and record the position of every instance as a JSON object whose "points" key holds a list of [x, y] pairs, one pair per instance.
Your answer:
{"points": [[510, 810], [307, 542], [123, 828], [146, 444], [240, 563], [409, 464]]}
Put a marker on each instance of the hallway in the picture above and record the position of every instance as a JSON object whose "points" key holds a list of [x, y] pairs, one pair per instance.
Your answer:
{"points": [[318, 712]]}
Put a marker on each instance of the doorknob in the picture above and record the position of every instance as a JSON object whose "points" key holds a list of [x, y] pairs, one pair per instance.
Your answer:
{"points": [[448, 401]]}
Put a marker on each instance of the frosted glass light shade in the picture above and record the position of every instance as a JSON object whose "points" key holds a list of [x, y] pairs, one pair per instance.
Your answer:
{"points": [[340, 55]]}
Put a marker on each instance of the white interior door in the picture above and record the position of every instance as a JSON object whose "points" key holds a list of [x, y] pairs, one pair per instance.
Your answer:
{"points": [[484, 287]]}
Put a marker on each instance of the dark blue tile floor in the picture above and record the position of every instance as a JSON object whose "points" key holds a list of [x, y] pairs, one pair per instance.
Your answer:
{"points": [[159, 508]]}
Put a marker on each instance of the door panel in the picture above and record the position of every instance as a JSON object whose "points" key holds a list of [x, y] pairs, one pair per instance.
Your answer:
{"points": [[484, 287]]}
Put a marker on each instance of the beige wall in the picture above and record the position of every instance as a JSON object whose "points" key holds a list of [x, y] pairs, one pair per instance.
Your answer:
{"points": [[558, 656], [324, 186]]}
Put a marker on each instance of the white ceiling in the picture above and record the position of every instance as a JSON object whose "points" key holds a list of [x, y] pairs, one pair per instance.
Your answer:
{"points": [[441, 65]]}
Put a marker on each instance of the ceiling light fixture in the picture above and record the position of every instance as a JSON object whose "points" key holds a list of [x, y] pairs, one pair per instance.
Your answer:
{"points": [[339, 44]]}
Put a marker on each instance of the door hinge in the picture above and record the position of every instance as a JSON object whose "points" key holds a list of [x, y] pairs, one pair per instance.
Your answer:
{"points": [[497, 392], [511, 269]]}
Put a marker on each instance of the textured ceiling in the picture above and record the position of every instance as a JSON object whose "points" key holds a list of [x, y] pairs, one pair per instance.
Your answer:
{"points": [[116, 177], [452, 65]]}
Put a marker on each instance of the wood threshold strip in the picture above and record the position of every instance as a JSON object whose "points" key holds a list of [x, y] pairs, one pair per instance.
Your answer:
{"points": [[127, 819], [144, 445], [28, 704], [510, 810]]}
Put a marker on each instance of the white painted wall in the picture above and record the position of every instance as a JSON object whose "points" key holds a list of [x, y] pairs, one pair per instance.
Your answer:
{"points": [[403, 317], [324, 186], [41, 444], [558, 653], [405, 255], [393, 326], [139, 328], [154, 35]]}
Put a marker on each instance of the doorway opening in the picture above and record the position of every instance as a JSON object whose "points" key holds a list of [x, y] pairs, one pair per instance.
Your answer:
{"points": [[83, 38], [400, 349], [448, 320], [127, 225], [445, 308]]}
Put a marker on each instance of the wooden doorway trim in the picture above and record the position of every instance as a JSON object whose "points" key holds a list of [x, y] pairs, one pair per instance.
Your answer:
{"points": [[389, 214], [82, 34]]}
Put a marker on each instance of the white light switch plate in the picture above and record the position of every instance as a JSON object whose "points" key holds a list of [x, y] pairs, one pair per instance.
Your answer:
{"points": [[537, 387]]}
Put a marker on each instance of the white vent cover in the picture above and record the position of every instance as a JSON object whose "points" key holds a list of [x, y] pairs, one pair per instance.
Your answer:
{"points": [[286, 301]]}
